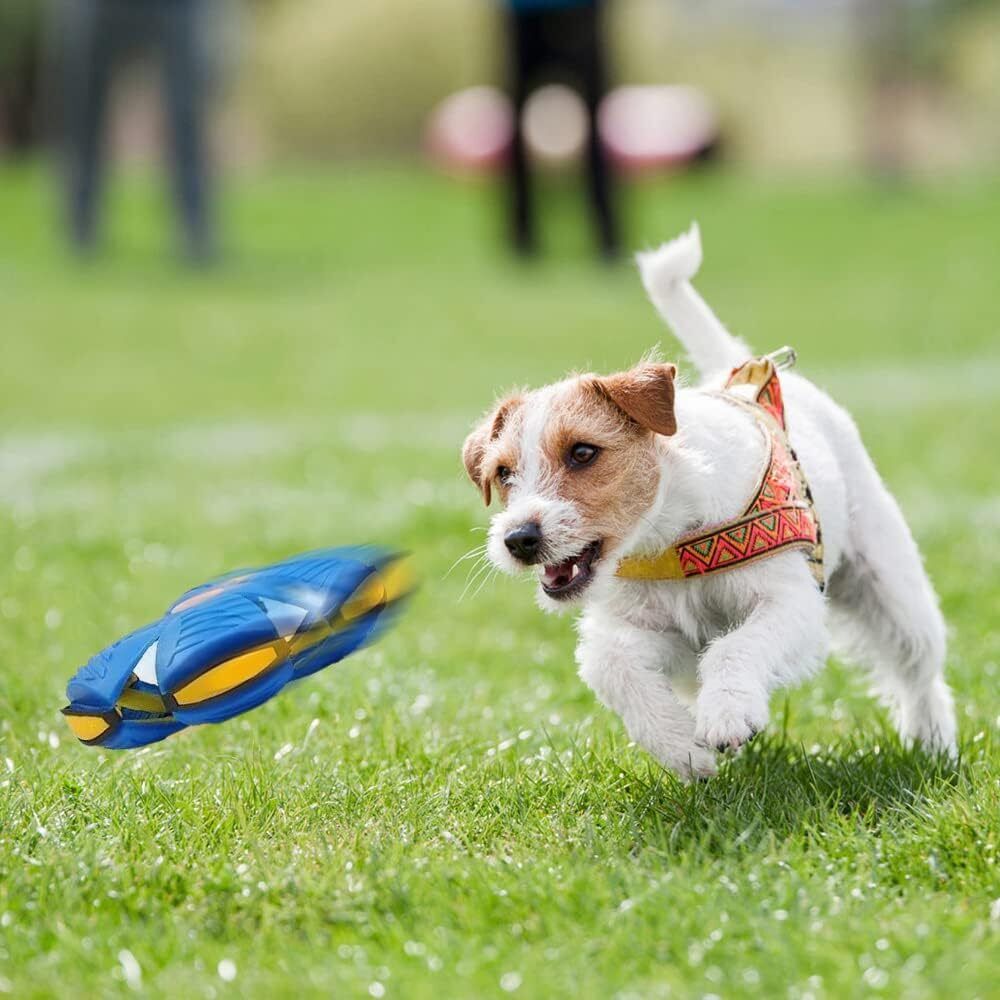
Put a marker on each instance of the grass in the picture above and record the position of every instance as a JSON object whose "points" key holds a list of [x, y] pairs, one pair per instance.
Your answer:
{"points": [[450, 813]]}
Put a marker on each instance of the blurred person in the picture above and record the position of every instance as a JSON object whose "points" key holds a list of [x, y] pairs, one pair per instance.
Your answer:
{"points": [[558, 40], [20, 70], [95, 38]]}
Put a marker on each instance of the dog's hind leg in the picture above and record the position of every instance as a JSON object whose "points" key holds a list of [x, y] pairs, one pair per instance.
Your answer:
{"points": [[884, 613]]}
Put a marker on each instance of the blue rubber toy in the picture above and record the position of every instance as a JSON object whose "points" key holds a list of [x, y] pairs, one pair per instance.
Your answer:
{"points": [[229, 645]]}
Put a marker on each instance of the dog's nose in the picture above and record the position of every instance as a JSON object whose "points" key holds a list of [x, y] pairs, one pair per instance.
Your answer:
{"points": [[524, 543]]}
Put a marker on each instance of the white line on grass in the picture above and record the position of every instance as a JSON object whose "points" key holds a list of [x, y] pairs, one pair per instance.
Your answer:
{"points": [[75, 470]]}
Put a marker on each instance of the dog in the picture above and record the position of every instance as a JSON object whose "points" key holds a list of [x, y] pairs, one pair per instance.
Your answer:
{"points": [[596, 473]]}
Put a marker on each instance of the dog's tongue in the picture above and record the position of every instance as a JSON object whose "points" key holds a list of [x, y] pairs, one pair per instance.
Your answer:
{"points": [[558, 575]]}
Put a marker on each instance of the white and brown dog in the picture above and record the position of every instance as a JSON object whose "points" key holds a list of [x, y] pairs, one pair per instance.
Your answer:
{"points": [[596, 470]]}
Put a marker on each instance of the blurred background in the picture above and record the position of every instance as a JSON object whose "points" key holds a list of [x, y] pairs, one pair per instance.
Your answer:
{"points": [[897, 88], [262, 265], [796, 83], [255, 252]]}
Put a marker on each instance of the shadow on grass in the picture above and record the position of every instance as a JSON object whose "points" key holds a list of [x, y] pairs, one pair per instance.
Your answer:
{"points": [[775, 789]]}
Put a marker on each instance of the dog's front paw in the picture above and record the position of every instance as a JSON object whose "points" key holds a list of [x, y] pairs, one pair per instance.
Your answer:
{"points": [[698, 765], [688, 760], [726, 719]]}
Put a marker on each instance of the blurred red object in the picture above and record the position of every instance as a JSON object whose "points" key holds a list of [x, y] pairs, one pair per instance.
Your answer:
{"points": [[652, 128], [642, 128], [471, 130]]}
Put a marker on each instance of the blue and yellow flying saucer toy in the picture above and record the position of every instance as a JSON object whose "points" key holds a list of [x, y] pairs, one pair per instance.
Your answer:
{"points": [[229, 645]]}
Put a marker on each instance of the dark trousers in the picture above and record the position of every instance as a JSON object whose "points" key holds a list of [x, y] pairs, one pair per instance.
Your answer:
{"points": [[96, 37], [560, 44]]}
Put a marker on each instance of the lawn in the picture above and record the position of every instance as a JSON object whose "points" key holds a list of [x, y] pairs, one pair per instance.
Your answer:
{"points": [[450, 813]]}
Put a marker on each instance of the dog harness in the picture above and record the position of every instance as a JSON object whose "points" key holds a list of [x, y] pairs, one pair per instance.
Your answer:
{"points": [[780, 515]]}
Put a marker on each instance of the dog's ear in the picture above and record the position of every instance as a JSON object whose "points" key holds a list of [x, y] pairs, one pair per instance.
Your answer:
{"points": [[645, 394], [472, 455], [474, 449]]}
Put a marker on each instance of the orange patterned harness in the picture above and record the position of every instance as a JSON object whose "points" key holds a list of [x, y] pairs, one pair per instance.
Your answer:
{"points": [[780, 515]]}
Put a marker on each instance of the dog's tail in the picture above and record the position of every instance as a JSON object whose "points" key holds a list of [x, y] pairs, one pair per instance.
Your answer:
{"points": [[666, 274]]}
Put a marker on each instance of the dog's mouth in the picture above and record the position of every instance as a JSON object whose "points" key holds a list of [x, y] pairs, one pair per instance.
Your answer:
{"points": [[564, 580]]}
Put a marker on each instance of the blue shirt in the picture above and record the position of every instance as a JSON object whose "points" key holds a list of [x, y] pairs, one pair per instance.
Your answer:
{"points": [[526, 5]]}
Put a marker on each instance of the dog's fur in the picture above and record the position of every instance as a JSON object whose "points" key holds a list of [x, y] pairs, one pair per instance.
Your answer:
{"points": [[689, 665]]}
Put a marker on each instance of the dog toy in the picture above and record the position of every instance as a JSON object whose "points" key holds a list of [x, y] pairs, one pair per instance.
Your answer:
{"points": [[229, 645]]}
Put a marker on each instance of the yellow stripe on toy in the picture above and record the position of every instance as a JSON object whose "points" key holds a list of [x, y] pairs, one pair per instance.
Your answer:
{"points": [[87, 727], [195, 599], [142, 701], [399, 579], [230, 674], [366, 598]]}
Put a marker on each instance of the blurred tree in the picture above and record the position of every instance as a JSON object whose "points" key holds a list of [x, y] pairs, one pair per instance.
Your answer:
{"points": [[907, 51], [362, 77]]}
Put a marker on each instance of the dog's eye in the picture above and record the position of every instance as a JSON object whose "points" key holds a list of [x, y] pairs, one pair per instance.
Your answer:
{"points": [[582, 454], [503, 475]]}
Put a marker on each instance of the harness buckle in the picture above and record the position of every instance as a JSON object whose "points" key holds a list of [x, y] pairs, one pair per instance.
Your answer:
{"points": [[783, 358]]}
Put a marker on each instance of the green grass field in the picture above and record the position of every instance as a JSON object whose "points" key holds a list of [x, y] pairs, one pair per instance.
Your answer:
{"points": [[450, 813]]}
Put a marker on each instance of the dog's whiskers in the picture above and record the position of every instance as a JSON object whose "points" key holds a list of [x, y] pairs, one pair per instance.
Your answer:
{"points": [[480, 568], [474, 553], [489, 577]]}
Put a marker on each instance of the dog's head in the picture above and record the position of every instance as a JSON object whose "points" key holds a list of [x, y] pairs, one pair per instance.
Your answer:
{"points": [[575, 465]]}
